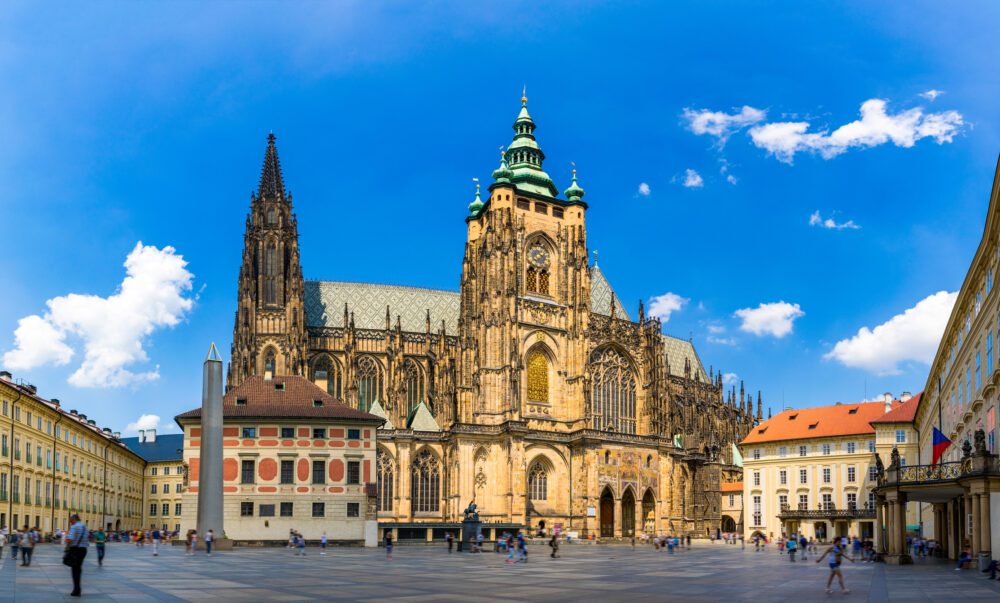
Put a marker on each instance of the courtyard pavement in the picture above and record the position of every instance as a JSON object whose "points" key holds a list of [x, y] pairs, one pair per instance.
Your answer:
{"points": [[586, 572]]}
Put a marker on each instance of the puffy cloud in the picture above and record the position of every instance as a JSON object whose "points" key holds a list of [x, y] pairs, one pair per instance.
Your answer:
{"points": [[111, 329], [730, 341], [912, 336], [730, 378], [815, 219], [644, 189], [775, 319], [932, 94], [142, 423], [719, 124], [662, 306], [876, 127], [692, 179], [731, 179]]}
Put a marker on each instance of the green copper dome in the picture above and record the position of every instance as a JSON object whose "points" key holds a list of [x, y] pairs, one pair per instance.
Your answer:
{"points": [[502, 174], [525, 157], [574, 192], [477, 205]]}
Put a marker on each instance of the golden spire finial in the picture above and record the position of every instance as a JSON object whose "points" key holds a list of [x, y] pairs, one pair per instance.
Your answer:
{"points": [[524, 95]]}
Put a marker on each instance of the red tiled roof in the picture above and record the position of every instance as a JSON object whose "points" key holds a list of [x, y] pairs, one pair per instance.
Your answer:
{"points": [[820, 422], [904, 413], [733, 487], [287, 397]]}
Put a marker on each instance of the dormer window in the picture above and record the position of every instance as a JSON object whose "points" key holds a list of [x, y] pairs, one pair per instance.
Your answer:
{"points": [[241, 401], [813, 425], [793, 416], [279, 387], [317, 403]]}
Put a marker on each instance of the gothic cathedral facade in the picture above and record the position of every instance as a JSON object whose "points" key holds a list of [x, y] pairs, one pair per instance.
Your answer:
{"points": [[530, 391]]}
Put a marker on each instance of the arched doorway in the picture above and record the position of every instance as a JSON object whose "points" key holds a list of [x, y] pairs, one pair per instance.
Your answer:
{"points": [[728, 524], [649, 512], [820, 528], [628, 514], [607, 514]]}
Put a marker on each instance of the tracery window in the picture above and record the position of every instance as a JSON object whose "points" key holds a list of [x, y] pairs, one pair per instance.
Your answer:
{"points": [[537, 272], [386, 480], [271, 274], [333, 375], [271, 219], [369, 382], [425, 483], [538, 376], [613, 390], [538, 480], [269, 361], [414, 380]]}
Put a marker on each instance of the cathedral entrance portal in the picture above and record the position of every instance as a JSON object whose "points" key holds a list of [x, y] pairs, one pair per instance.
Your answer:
{"points": [[649, 513], [607, 515], [628, 514]]}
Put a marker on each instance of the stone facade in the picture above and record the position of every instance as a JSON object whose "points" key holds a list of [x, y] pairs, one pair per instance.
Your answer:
{"points": [[530, 390]]}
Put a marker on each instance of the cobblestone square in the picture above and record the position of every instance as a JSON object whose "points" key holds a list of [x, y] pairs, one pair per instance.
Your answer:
{"points": [[585, 572]]}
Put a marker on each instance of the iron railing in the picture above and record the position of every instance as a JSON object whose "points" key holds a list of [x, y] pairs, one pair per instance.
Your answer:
{"points": [[827, 512], [929, 473]]}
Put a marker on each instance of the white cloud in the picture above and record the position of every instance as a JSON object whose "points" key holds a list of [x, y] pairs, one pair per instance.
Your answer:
{"points": [[692, 179], [730, 341], [730, 378], [719, 124], [876, 127], [731, 179], [775, 319], [143, 422], [815, 219], [662, 306], [111, 329], [716, 329], [911, 336], [644, 189], [932, 94]]}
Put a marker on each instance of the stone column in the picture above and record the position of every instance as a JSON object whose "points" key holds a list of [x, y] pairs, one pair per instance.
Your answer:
{"points": [[976, 531], [210, 498], [619, 530], [984, 525], [877, 535]]}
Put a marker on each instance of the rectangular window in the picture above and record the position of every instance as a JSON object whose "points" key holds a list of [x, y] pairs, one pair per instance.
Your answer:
{"points": [[826, 475], [287, 472], [353, 434], [165, 510], [900, 436], [319, 472], [872, 473], [177, 509], [756, 478], [732, 500], [851, 447], [152, 471], [803, 502], [783, 451], [756, 454], [803, 450], [319, 509], [871, 446], [152, 489], [803, 476], [286, 509], [826, 449], [541, 208], [979, 371], [353, 472], [249, 432], [265, 511], [852, 474], [246, 509], [319, 433], [288, 432], [353, 509], [827, 502], [557, 212], [152, 509], [246, 471], [989, 350], [783, 477], [852, 500], [991, 428], [782, 502], [523, 204], [166, 471], [756, 511], [178, 488]]}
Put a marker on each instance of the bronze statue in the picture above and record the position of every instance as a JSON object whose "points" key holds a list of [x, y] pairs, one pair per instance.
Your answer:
{"points": [[879, 467], [980, 438], [894, 459], [470, 512]]}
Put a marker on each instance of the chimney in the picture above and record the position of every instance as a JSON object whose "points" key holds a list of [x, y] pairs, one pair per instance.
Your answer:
{"points": [[321, 380], [55, 402], [887, 398], [142, 436], [83, 417], [31, 388], [73, 412], [116, 435], [268, 375], [6, 376], [905, 396], [91, 422], [150, 435]]}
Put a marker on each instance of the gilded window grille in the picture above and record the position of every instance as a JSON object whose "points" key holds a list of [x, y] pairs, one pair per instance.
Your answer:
{"points": [[538, 377], [531, 280], [543, 282]]}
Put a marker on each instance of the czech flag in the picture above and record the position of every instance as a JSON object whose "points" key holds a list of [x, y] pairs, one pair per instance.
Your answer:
{"points": [[941, 444]]}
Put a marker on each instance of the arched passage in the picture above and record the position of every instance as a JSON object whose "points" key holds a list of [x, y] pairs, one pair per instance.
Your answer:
{"points": [[649, 512], [607, 514], [728, 524], [628, 513]]}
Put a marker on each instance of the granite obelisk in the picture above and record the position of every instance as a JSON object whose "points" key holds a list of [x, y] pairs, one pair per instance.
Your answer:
{"points": [[210, 459]]}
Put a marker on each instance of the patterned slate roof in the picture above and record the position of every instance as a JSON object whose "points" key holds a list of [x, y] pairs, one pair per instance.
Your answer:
{"points": [[602, 295], [679, 349], [324, 304], [163, 448]]}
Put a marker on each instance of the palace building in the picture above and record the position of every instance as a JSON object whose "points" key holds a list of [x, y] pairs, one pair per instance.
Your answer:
{"points": [[530, 390], [165, 477]]}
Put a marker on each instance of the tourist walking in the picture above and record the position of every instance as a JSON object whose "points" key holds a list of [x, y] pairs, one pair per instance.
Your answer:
{"points": [[300, 543], [322, 544], [28, 539], [791, 546], [100, 539], [836, 552], [14, 545], [388, 545], [450, 540], [156, 542], [76, 551], [554, 545], [804, 545], [209, 541]]}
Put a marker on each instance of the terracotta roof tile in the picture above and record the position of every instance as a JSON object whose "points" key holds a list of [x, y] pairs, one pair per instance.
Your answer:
{"points": [[287, 397], [733, 487], [820, 422], [904, 413]]}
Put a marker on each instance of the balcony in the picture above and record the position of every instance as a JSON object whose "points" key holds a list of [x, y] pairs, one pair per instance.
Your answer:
{"points": [[827, 511]]}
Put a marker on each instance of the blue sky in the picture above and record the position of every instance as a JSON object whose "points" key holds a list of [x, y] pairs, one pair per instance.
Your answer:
{"points": [[147, 122]]}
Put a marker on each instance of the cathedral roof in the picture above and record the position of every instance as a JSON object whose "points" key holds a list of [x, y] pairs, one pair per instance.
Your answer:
{"points": [[677, 351], [602, 295], [324, 304]]}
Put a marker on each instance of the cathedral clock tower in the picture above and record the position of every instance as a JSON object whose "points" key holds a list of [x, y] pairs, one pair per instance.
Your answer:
{"points": [[269, 336]]}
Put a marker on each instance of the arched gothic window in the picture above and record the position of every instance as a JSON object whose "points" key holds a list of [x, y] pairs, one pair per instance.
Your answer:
{"points": [[414, 380], [386, 480], [425, 483], [271, 220], [269, 361], [271, 274], [327, 368], [538, 482], [612, 396], [538, 376], [369, 382], [536, 277]]}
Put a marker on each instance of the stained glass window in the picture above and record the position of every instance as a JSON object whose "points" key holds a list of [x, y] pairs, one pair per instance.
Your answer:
{"points": [[327, 368], [613, 390], [369, 382], [386, 478], [414, 383], [538, 376], [425, 483]]}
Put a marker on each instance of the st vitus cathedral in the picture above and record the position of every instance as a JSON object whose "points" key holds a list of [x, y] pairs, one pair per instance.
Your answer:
{"points": [[530, 391]]}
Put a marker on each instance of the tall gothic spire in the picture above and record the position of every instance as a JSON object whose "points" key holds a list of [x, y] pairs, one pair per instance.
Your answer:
{"points": [[524, 157], [271, 182]]}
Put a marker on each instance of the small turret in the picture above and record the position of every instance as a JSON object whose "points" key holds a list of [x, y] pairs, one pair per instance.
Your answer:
{"points": [[574, 194], [477, 204]]}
